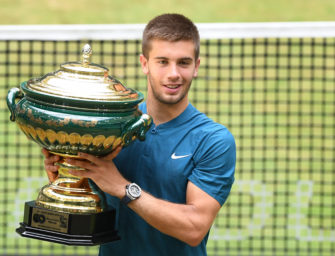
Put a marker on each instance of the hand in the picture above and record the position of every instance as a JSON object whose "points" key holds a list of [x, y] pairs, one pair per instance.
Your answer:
{"points": [[50, 160], [102, 171]]}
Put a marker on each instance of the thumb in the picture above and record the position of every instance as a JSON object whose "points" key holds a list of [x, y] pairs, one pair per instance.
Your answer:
{"points": [[114, 153]]}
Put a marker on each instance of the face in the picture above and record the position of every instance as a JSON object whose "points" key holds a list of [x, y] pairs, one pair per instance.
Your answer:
{"points": [[170, 68]]}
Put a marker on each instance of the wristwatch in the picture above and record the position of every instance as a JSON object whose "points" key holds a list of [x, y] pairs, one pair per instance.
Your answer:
{"points": [[133, 191]]}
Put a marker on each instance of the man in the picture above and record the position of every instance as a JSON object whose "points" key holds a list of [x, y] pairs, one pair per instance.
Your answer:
{"points": [[185, 167]]}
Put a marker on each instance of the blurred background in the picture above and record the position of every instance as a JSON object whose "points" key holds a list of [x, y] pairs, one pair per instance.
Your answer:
{"points": [[276, 95], [140, 11]]}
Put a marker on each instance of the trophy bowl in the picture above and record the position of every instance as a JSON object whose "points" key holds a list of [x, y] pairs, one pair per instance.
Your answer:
{"points": [[78, 108]]}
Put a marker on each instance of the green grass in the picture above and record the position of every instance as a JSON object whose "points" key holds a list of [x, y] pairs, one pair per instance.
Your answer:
{"points": [[135, 11]]}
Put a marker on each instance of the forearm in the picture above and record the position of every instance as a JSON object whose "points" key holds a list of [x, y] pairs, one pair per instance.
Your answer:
{"points": [[176, 220], [183, 221]]}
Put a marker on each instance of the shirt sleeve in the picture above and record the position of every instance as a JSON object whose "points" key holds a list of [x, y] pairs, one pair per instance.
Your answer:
{"points": [[215, 161]]}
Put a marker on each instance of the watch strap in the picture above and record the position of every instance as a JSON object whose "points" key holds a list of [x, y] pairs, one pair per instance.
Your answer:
{"points": [[126, 199]]}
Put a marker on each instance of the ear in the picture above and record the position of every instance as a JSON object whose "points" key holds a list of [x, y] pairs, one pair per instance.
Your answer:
{"points": [[197, 64], [144, 64]]}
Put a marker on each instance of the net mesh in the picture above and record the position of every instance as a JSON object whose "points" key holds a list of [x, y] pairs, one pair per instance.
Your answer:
{"points": [[276, 95]]}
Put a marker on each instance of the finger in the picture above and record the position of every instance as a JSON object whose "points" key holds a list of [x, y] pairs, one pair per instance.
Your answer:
{"points": [[90, 158], [51, 159], [45, 152], [52, 176], [80, 173], [51, 168], [81, 163], [112, 155]]}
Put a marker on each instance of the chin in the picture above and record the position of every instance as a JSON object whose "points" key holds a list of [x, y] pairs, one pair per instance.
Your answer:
{"points": [[171, 101]]}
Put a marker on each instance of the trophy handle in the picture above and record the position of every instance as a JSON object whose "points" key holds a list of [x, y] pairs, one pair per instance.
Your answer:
{"points": [[13, 94], [137, 129]]}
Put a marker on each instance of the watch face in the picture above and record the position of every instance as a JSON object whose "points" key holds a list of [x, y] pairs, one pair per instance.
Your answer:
{"points": [[134, 190]]}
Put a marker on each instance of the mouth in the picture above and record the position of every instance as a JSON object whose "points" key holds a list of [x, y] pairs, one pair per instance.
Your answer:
{"points": [[172, 86]]}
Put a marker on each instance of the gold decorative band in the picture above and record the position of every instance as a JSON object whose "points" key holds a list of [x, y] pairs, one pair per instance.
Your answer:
{"points": [[73, 140]]}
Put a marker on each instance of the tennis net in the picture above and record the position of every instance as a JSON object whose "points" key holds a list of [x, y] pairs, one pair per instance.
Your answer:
{"points": [[271, 84]]}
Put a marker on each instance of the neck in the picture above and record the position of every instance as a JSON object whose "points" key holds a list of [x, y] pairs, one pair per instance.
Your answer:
{"points": [[162, 113]]}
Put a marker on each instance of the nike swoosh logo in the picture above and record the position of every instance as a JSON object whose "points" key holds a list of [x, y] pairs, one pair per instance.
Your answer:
{"points": [[173, 156]]}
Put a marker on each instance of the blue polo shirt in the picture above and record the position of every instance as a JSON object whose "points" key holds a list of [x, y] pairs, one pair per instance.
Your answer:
{"points": [[190, 147]]}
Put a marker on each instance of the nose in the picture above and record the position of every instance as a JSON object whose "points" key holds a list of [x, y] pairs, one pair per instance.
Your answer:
{"points": [[173, 72]]}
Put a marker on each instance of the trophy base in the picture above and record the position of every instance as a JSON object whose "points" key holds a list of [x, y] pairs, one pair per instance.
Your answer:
{"points": [[68, 228]]}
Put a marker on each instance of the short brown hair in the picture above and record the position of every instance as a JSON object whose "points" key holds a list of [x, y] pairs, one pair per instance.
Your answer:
{"points": [[172, 28]]}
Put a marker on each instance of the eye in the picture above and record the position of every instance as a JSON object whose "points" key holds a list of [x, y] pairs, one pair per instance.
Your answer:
{"points": [[185, 62], [162, 62]]}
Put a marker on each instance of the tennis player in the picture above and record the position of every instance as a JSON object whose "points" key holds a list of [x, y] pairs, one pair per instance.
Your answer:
{"points": [[169, 188]]}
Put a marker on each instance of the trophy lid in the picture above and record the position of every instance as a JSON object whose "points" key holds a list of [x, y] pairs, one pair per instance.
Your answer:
{"points": [[81, 84]]}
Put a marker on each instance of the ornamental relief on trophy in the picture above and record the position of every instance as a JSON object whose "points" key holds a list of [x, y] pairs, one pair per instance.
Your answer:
{"points": [[59, 122], [64, 140]]}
